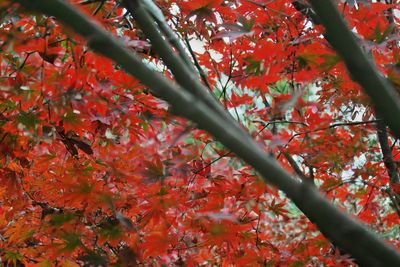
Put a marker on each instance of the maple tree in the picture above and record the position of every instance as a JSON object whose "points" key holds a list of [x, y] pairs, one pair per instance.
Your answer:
{"points": [[150, 133]]}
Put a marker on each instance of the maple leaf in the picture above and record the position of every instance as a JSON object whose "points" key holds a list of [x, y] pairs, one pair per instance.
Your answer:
{"points": [[96, 171]]}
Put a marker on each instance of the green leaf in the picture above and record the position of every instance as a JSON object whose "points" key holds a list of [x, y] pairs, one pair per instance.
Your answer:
{"points": [[9, 105], [60, 219], [28, 119], [45, 263], [110, 229], [71, 117], [330, 61], [281, 87], [72, 241], [380, 36], [254, 67], [29, 234], [13, 257], [392, 233], [297, 264], [247, 24]]}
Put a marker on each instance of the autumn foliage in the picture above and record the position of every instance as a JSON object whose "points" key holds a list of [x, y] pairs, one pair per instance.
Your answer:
{"points": [[96, 171]]}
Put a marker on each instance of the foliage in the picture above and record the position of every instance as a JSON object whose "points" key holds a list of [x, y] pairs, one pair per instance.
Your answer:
{"points": [[96, 171]]}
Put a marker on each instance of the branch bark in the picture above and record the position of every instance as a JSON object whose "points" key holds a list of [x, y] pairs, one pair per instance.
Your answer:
{"points": [[297, 169], [196, 63], [390, 164], [361, 68], [369, 250], [184, 75]]}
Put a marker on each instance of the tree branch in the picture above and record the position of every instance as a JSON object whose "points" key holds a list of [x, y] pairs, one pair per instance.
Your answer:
{"points": [[361, 68], [339, 124], [184, 75], [196, 63], [390, 164], [169, 34], [297, 169]]}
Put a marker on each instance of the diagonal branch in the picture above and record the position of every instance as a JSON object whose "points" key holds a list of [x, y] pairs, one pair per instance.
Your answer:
{"points": [[340, 228], [150, 8], [183, 74], [196, 63], [361, 68], [390, 164], [297, 169]]}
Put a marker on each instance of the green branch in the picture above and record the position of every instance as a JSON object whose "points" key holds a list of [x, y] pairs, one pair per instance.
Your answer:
{"points": [[361, 68], [183, 74]]}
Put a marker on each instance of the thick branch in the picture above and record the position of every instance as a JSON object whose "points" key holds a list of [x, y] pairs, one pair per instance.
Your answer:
{"points": [[358, 64], [169, 34], [369, 250], [183, 74]]}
